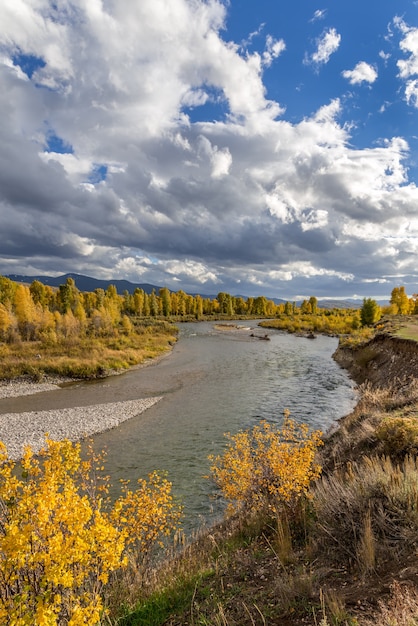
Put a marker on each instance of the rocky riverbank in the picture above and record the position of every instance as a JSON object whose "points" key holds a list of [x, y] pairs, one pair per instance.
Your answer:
{"points": [[16, 388], [29, 428], [20, 429]]}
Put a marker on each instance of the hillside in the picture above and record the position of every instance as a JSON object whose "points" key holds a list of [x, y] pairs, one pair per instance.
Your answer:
{"points": [[85, 283]]}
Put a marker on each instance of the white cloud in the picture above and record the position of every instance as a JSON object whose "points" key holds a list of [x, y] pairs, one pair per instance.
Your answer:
{"points": [[314, 219], [306, 270], [384, 55], [408, 68], [274, 47], [77, 169], [221, 163], [411, 92], [319, 15], [189, 269], [327, 44], [409, 45], [362, 73]]}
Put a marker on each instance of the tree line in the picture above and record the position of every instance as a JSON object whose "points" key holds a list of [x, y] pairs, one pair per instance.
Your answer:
{"points": [[40, 312]]}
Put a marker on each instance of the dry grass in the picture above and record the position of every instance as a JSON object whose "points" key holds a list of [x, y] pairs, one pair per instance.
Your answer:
{"points": [[85, 357], [371, 427], [401, 609], [369, 512]]}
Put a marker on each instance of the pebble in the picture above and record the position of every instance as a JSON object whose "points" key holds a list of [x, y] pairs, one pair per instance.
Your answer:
{"points": [[20, 429], [13, 388]]}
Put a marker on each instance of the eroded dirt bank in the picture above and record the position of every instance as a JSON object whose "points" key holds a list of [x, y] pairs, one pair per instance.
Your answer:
{"points": [[383, 361]]}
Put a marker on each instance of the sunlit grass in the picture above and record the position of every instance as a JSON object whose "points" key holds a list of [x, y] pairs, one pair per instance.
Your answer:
{"points": [[408, 332], [85, 357], [341, 323]]}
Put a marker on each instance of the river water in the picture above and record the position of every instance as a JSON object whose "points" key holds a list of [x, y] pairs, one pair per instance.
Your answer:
{"points": [[214, 381], [218, 381]]}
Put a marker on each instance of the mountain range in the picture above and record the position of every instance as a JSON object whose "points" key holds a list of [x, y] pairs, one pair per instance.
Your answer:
{"points": [[87, 283]]}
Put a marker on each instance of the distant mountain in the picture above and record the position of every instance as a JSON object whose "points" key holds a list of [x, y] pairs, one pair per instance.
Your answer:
{"points": [[328, 303], [85, 283], [347, 304]]}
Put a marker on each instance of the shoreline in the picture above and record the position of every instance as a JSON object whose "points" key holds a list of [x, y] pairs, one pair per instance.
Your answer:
{"points": [[18, 430], [25, 386]]}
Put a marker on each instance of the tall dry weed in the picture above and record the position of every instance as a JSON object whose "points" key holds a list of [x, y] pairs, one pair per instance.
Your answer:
{"points": [[397, 394], [283, 540], [366, 549], [400, 610], [372, 503]]}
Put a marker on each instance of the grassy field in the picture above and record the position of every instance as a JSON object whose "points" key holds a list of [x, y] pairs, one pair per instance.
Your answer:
{"points": [[409, 331], [86, 357], [404, 326]]}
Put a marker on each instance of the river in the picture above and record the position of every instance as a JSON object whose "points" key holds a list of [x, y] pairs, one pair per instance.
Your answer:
{"points": [[218, 381]]}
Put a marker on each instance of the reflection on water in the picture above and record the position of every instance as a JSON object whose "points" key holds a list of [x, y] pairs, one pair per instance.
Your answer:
{"points": [[216, 382]]}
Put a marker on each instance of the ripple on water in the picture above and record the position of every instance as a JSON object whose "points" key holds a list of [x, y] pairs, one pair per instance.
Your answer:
{"points": [[227, 383]]}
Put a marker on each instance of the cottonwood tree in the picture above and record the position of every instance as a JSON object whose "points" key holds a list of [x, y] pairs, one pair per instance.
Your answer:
{"points": [[314, 304], [370, 312], [399, 301], [165, 301]]}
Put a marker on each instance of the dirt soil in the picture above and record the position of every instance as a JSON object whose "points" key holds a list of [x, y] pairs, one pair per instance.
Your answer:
{"points": [[391, 357]]}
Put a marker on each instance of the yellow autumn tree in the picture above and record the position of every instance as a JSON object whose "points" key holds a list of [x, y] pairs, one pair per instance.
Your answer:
{"points": [[7, 322], [26, 313], [263, 468], [60, 537]]}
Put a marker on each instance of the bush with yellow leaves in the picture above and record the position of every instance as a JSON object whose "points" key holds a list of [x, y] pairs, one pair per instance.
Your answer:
{"points": [[60, 537], [267, 466]]}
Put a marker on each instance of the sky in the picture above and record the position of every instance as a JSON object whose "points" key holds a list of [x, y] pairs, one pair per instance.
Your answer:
{"points": [[249, 147]]}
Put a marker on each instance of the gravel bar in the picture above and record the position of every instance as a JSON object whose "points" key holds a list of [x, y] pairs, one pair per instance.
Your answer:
{"points": [[20, 429], [13, 388]]}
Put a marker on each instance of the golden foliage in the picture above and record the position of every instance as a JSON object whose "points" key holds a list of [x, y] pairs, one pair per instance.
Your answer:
{"points": [[267, 466], [60, 538]]}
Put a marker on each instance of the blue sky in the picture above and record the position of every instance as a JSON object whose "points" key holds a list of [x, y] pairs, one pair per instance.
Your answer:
{"points": [[257, 148]]}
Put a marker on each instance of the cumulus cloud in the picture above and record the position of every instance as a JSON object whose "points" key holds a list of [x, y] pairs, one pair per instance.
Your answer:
{"points": [[362, 73], [327, 44], [409, 45], [411, 92], [408, 68], [274, 47], [104, 172]]}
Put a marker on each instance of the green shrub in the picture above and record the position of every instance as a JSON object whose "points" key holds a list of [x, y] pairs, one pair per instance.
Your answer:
{"points": [[399, 435]]}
